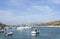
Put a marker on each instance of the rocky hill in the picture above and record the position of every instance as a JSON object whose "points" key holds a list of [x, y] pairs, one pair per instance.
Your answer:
{"points": [[2, 25], [54, 23]]}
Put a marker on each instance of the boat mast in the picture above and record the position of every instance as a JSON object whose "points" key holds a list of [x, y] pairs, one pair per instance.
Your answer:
{"points": [[28, 21]]}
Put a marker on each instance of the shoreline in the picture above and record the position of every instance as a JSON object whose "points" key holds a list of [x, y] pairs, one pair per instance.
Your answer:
{"points": [[49, 26], [52, 26]]}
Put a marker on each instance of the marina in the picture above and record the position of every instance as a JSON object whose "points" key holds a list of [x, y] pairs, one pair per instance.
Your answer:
{"points": [[45, 33], [29, 19]]}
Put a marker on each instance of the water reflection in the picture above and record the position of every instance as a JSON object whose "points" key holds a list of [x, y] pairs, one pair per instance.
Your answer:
{"points": [[45, 33], [35, 36]]}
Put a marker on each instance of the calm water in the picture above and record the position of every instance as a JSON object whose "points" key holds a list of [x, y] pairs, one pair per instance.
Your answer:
{"points": [[45, 33]]}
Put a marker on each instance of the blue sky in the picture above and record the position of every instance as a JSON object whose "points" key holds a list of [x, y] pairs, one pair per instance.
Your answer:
{"points": [[29, 11]]}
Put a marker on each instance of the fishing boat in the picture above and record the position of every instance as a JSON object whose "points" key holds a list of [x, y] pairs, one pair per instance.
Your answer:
{"points": [[9, 34], [1, 31], [35, 31]]}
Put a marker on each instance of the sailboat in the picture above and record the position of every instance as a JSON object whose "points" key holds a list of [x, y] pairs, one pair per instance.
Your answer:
{"points": [[25, 27], [19, 28], [28, 27]]}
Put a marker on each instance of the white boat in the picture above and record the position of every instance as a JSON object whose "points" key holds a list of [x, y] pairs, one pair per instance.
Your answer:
{"points": [[20, 28], [35, 31], [27, 27], [9, 33], [2, 30]]}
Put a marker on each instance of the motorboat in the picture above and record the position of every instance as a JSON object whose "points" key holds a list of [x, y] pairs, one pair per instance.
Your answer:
{"points": [[9, 34], [1, 31], [35, 31]]}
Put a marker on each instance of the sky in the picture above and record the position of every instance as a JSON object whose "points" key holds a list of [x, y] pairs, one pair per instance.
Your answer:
{"points": [[14, 12]]}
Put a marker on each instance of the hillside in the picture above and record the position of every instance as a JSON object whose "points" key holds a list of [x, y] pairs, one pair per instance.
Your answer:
{"points": [[2, 25], [55, 23]]}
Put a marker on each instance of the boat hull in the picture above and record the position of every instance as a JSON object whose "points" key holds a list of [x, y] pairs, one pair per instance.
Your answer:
{"points": [[9, 34], [33, 32]]}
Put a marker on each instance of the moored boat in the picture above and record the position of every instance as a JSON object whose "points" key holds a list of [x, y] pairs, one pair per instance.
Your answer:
{"points": [[9, 33], [35, 31], [1, 31]]}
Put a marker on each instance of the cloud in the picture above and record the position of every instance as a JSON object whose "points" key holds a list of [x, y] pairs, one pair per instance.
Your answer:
{"points": [[46, 9], [56, 1], [45, 13], [36, 14], [26, 3], [43, 10], [17, 3], [5, 13], [32, 10]]}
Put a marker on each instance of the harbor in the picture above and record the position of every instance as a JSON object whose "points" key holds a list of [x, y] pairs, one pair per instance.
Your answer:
{"points": [[45, 33], [29, 19]]}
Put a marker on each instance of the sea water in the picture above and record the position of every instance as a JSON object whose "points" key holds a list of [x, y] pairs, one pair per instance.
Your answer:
{"points": [[44, 33]]}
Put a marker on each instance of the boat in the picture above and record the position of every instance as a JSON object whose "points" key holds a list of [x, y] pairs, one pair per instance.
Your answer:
{"points": [[20, 28], [35, 31], [9, 34], [27, 27], [1, 31]]}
